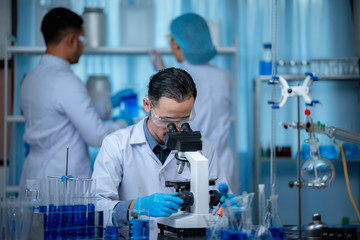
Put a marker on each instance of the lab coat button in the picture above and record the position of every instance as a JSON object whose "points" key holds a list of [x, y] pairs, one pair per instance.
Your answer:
{"points": [[163, 170]]}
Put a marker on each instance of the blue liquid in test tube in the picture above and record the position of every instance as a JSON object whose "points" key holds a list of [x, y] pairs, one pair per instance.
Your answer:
{"points": [[80, 221], [90, 228], [139, 229], [63, 222], [53, 222]]}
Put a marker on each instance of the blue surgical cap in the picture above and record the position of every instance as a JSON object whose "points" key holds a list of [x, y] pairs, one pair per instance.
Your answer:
{"points": [[191, 32]]}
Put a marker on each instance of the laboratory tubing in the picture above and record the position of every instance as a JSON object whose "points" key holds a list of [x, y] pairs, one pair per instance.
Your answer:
{"points": [[139, 223]]}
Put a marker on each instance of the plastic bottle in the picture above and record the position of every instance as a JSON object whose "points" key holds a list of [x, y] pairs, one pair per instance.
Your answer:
{"points": [[265, 63]]}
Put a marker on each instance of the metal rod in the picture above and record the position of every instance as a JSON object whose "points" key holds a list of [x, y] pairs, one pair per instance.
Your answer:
{"points": [[5, 158], [298, 164], [67, 161]]}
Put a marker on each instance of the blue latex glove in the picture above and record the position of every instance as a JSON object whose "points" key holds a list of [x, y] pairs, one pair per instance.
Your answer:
{"points": [[230, 197], [160, 204], [116, 99], [223, 189]]}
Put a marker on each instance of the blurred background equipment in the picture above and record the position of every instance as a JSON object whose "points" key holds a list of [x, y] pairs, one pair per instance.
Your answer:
{"points": [[99, 88], [94, 27]]}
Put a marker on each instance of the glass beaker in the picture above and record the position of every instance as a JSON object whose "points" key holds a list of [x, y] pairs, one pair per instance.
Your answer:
{"points": [[111, 230], [139, 224]]}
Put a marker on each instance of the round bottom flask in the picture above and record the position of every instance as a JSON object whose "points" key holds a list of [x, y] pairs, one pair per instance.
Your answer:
{"points": [[317, 172]]}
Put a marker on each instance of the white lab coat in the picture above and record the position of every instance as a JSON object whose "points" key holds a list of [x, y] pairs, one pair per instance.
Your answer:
{"points": [[58, 115], [127, 168], [212, 107]]}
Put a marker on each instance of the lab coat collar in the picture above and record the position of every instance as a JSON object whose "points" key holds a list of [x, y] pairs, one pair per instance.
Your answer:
{"points": [[138, 137], [50, 59], [186, 63]]}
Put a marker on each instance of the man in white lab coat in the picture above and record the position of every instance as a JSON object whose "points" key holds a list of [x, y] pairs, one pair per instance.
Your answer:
{"points": [[192, 46], [56, 105], [133, 163]]}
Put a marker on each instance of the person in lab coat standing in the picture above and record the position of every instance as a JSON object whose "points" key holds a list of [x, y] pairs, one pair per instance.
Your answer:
{"points": [[192, 46], [133, 163], [56, 105]]}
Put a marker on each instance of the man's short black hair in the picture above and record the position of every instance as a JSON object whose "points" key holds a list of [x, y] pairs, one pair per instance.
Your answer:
{"points": [[174, 83], [57, 22]]}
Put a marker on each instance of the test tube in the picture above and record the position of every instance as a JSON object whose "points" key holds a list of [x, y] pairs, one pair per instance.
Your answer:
{"points": [[90, 187], [80, 208], [57, 191]]}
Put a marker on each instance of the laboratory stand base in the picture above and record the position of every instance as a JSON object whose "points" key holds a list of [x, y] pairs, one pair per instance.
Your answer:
{"points": [[182, 232]]}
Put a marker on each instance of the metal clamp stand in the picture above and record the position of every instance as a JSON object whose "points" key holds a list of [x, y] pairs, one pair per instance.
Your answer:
{"points": [[298, 91]]}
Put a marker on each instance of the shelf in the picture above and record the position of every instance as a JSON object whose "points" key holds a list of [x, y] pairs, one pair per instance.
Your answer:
{"points": [[302, 77], [21, 118], [290, 159], [111, 50]]}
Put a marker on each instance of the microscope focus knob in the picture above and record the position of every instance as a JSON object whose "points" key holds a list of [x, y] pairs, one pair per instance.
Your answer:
{"points": [[188, 198], [214, 198]]}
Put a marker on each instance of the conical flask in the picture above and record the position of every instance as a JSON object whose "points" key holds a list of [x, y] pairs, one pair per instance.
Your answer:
{"points": [[262, 232], [246, 224]]}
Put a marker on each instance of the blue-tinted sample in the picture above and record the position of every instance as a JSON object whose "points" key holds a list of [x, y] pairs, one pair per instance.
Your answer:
{"points": [[139, 229], [112, 232]]}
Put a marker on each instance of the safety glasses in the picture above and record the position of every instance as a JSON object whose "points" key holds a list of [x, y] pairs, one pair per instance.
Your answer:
{"points": [[82, 39], [164, 121]]}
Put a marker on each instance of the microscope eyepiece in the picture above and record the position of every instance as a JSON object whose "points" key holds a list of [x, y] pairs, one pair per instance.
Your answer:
{"points": [[172, 128], [186, 127]]}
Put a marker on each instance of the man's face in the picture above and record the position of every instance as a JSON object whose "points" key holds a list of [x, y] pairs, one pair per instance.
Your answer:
{"points": [[167, 110]]}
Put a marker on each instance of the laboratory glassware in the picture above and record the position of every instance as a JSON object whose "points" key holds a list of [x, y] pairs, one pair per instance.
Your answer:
{"points": [[265, 62], [317, 172], [262, 232], [139, 224], [111, 230]]}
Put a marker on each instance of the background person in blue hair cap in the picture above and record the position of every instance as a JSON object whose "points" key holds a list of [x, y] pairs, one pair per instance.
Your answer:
{"points": [[192, 46]]}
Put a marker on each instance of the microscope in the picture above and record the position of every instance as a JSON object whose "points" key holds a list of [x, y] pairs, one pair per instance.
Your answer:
{"points": [[194, 217]]}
